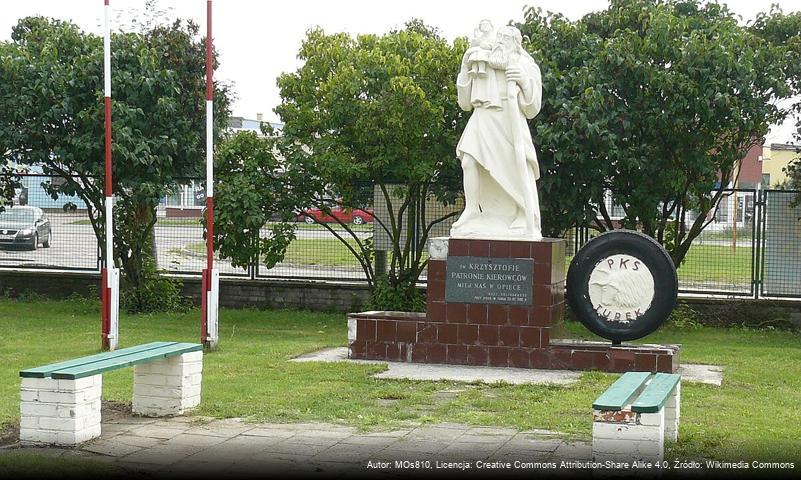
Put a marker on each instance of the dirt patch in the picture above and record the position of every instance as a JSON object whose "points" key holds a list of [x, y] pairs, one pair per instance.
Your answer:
{"points": [[111, 410], [9, 434]]}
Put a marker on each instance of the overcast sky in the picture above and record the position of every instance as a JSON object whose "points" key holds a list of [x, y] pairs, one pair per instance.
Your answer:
{"points": [[258, 40]]}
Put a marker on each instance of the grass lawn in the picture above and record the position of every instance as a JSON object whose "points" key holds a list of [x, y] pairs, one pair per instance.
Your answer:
{"points": [[27, 465], [717, 263], [754, 413]]}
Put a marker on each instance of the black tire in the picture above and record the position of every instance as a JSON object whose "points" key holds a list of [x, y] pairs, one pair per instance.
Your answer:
{"points": [[35, 242], [309, 220], [651, 255], [358, 220], [49, 240]]}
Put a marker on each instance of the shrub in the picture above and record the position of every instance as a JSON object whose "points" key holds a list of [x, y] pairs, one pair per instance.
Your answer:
{"points": [[403, 298], [157, 293]]}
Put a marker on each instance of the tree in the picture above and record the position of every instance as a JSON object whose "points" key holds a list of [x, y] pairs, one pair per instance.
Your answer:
{"points": [[375, 110], [778, 28], [8, 183], [51, 100], [655, 101], [252, 189], [793, 171]]}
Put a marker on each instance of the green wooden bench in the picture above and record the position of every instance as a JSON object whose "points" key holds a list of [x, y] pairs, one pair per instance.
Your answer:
{"points": [[634, 416], [60, 402]]}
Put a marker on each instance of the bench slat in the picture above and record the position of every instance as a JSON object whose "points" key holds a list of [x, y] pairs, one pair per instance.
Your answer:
{"points": [[46, 370], [656, 393], [619, 394], [90, 369]]}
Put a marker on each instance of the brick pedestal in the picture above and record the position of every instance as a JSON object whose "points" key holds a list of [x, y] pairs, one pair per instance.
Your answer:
{"points": [[494, 334], [59, 412], [168, 387]]}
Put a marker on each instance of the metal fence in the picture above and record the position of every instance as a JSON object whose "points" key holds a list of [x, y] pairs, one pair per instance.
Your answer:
{"points": [[751, 248]]}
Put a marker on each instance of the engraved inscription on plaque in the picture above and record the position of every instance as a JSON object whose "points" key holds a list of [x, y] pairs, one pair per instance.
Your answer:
{"points": [[506, 281]]}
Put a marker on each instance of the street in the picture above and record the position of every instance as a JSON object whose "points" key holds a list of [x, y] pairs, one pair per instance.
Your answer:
{"points": [[179, 249]]}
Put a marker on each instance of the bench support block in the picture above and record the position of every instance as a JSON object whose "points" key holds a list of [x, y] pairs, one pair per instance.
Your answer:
{"points": [[59, 412], [673, 414], [628, 436], [168, 387]]}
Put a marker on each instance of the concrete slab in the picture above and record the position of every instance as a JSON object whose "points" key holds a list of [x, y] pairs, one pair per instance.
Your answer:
{"points": [[110, 447], [194, 440], [135, 441], [698, 373], [456, 373], [162, 432]]}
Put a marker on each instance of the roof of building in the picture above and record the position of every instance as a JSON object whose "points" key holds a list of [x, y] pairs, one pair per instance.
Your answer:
{"points": [[242, 123], [785, 146]]}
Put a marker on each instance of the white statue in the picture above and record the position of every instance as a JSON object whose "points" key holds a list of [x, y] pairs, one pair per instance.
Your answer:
{"points": [[501, 84]]}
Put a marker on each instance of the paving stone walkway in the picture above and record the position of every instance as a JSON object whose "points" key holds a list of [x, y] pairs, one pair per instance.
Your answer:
{"points": [[192, 445]]}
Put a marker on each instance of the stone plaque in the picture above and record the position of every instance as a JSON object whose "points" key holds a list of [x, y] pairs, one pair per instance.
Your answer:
{"points": [[505, 281]]}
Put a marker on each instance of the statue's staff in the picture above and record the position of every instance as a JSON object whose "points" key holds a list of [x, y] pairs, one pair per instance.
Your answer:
{"points": [[515, 117]]}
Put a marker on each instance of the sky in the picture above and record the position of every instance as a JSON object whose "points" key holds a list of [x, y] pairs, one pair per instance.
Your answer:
{"points": [[259, 39]]}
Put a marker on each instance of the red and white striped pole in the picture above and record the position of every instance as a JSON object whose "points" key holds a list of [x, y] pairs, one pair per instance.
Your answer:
{"points": [[210, 284], [110, 278]]}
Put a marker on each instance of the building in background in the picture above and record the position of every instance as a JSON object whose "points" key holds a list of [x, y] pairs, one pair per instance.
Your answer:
{"points": [[31, 192], [750, 168], [775, 158], [240, 124]]}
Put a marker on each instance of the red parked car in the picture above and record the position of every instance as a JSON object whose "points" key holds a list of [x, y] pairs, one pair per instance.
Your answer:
{"points": [[355, 216]]}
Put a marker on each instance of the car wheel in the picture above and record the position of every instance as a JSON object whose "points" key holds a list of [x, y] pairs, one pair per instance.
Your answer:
{"points": [[308, 219], [35, 243], [622, 285], [48, 241], [357, 220]]}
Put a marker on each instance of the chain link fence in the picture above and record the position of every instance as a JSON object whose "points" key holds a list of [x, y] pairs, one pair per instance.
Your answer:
{"points": [[751, 246]]}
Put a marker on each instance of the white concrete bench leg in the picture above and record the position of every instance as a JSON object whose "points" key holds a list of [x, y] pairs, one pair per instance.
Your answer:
{"points": [[673, 414], [626, 436], [60, 412], [168, 387]]}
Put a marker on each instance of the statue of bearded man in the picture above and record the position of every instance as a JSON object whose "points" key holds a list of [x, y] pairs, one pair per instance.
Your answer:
{"points": [[497, 154]]}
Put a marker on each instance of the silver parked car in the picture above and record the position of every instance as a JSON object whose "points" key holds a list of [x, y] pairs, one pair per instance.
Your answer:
{"points": [[25, 227]]}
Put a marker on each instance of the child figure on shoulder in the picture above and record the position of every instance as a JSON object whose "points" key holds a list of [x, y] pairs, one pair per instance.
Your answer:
{"points": [[480, 48]]}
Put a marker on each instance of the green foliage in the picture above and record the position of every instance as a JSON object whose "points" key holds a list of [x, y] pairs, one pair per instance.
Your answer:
{"points": [[779, 28], [8, 182], [375, 110], [793, 180], [51, 103], [252, 188], [654, 101], [30, 296], [87, 303], [155, 293], [401, 298], [684, 317]]}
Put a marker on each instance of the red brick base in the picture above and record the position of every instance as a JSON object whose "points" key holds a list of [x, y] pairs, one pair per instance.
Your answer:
{"points": [[498, 335], [409, 337]]}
